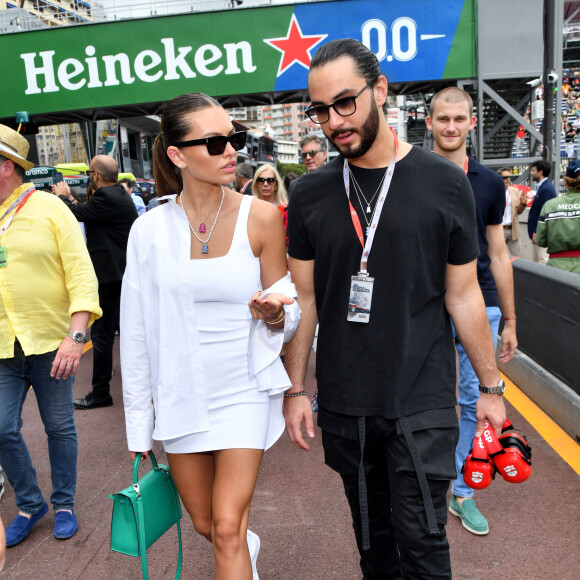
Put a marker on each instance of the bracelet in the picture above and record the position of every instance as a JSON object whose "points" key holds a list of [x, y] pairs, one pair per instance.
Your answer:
{"points": [[509, 317], [298, 394], [279, 319]]}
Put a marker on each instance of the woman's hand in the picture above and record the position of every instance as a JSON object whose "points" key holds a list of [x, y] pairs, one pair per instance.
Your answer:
{"points": [[144, 454], [269, 308]]}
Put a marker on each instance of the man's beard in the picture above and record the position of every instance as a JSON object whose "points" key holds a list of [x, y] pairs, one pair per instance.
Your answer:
{"points": [[368, 134]]}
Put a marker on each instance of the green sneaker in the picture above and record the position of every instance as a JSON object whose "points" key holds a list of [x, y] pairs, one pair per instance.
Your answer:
{"points": [[471, 517]]}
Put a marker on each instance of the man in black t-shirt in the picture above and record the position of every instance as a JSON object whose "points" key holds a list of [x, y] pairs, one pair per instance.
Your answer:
{"points": [[386, 386]]}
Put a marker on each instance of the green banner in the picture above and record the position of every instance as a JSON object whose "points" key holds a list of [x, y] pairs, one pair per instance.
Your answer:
{"points": [[235, 52], [85, 67]]}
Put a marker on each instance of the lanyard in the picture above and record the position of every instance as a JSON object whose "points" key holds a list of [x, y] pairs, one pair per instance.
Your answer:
{"points": [[22, 199], [466, 165], [378, 208]]}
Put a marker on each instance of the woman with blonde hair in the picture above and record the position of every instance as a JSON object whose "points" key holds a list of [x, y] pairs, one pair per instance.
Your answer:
{"points": [[268, 186], [199, 339]]}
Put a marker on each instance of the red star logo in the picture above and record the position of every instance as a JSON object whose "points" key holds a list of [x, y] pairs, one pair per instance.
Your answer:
{"points": [[295, 46]]}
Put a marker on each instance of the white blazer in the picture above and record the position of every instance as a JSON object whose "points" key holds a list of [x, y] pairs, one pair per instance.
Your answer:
{"points": [[163, 387]]}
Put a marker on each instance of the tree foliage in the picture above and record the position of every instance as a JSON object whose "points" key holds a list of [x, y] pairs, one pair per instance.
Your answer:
{"points": [[284, 168]]}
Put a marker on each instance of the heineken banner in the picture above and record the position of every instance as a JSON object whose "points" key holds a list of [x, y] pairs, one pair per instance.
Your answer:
{"points": [[254, 50]]}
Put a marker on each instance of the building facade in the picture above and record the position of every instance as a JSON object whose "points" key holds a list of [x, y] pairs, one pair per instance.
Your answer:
{"points": [[287, 120], [53, 12], [287, 151]]}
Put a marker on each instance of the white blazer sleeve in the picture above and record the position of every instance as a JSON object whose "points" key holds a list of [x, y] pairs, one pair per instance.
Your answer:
{"points": [[137, 389], [266, 344]]}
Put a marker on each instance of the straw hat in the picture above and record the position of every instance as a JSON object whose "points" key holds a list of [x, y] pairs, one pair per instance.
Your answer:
{"points": [[14, 146]]}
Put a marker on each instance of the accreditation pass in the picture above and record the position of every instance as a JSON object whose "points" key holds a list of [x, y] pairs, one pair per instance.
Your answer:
{"points": [[360, 299]]}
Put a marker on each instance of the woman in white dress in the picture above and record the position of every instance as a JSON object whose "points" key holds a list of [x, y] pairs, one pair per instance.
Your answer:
{"points": [[199, 340]]}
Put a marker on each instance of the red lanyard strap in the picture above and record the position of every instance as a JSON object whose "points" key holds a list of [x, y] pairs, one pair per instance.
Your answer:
{"points": [[22, 199], [378, 208]]}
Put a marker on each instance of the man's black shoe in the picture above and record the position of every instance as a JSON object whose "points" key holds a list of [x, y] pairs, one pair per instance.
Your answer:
{"points": [[93, 402]]}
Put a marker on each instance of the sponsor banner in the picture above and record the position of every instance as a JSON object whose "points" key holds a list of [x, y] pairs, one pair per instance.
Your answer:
{"points": [[41, 183], [39, 172], [255, 50]]}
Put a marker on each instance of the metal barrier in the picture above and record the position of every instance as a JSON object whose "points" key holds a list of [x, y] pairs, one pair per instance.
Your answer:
{"points": [[546, 366]]}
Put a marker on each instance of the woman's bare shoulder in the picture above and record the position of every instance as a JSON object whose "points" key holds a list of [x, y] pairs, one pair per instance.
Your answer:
{"points": [[264, 212]]}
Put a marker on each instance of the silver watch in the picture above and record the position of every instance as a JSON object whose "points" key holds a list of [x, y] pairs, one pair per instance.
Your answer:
{"points": [[499, 390], [79, 337]]}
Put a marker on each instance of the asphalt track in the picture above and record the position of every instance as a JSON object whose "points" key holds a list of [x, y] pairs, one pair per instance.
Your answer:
{"points": [[298, 510]]}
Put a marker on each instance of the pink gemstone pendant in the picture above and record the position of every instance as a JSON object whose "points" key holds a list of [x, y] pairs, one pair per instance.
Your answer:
{"points": [[202, 228]]}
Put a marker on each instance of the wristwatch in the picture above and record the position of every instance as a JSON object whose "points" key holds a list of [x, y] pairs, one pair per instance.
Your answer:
{"points": [[79, 337], [499, 390]]}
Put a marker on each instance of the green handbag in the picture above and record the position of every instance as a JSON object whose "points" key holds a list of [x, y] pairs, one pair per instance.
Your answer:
{"points": [[144, 511]]}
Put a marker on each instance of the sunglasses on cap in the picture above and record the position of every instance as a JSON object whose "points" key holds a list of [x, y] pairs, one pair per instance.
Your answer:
{"points": [[217, 145], [312, 154], [269, 180]]}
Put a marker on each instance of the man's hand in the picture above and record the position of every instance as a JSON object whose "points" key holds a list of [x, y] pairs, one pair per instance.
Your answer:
{"points": [[492, 408], [509, 342], [62, 188], [298, 410], [66, 361]]}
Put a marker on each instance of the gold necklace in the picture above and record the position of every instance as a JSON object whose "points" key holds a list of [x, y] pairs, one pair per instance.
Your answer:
{"points": [[204, 247]]}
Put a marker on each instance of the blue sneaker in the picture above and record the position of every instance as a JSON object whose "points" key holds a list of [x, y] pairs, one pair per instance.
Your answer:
{"points": [[21, 526], [65, 525]]}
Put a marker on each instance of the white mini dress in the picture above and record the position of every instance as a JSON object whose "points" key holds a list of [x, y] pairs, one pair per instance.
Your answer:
{"points": [[239, 414]]}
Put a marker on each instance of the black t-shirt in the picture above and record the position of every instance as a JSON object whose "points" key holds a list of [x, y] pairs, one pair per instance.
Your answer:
{"points": [[490, 202], [403, 360]]}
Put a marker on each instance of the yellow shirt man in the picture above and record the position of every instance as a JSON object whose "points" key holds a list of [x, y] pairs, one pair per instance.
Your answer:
{"points": [[48, 274]]}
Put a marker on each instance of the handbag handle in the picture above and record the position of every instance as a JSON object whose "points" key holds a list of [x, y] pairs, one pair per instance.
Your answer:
{"points": [[141, 518], [137, 462]]}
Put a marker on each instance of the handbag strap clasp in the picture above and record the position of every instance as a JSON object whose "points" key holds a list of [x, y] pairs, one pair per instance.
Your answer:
{"points": [[136, 489]]}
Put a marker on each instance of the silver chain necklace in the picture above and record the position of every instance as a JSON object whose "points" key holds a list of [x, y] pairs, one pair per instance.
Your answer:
{"points": [[358, 189], [366, 218], [204, 247]]}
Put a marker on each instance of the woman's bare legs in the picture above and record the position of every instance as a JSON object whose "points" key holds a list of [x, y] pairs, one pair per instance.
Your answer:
{"points": [[216, 489], [193, 474]]}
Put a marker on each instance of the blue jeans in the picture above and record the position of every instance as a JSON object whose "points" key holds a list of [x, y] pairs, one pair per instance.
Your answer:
{"points": [[54, 398], [468, 396]]}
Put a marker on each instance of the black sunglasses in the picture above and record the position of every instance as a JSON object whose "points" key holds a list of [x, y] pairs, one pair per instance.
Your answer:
{"points": [[217, 145], [269, 180], [312, 153], [344, 107]]}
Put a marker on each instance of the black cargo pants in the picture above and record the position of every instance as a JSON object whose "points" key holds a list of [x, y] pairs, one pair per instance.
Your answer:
{"points": [[398, 492]]}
